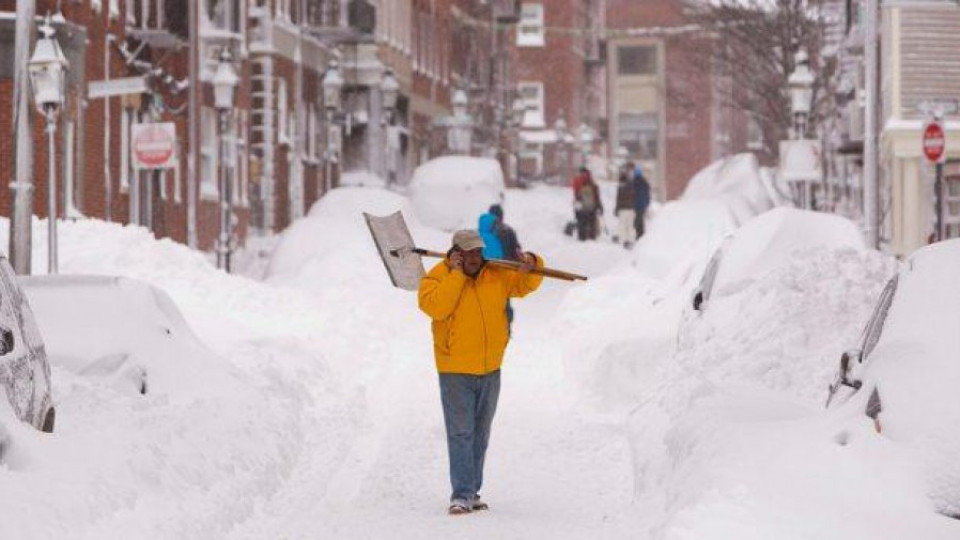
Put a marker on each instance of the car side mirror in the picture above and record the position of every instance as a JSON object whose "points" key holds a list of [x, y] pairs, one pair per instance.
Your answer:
{"points": [[7, 343], [845, 359]]}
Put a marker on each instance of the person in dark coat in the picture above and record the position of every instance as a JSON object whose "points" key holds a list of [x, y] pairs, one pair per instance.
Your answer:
{"points": [[642, 200], [510, 247], [625, 209]]}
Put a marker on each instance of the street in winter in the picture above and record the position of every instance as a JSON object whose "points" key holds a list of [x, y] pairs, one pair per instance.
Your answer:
{"points": [[659, 269]]}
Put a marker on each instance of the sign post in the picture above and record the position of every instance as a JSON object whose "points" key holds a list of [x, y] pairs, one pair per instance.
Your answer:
{"points": [[935, 150]]}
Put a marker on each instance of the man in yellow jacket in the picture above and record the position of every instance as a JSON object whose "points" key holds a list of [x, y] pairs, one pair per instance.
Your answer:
{"points": [[467, 301]]}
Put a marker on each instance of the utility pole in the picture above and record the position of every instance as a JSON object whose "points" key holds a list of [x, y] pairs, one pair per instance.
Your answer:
{"points": [[194, 111], [871, 188], [22, 184]]}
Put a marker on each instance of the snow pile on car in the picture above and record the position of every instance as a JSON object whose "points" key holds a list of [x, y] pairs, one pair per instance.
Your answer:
{"points": [[211, 436], [450, 192], [914, 370], [738, 182]]}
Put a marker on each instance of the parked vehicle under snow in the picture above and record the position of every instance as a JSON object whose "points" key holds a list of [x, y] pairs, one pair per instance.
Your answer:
{"points": [[904, 373], [24, 370]]}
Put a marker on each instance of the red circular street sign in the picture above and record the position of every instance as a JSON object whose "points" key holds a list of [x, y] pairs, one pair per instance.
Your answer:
{"points": [[153, 146], [934, 142]]}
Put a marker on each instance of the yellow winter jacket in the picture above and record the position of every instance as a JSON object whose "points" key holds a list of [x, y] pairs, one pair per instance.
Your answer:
{"points": [[469, 315]]}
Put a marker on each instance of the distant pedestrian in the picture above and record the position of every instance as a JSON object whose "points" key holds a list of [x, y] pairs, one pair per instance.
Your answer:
{"points": [[487, 227], [465, 299], [625, 210], [508, 237], [587, 206], [511, 250], [642, 200]]}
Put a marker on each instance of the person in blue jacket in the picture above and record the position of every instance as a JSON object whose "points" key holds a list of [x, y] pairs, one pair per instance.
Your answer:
{"points": [[487, 227]]}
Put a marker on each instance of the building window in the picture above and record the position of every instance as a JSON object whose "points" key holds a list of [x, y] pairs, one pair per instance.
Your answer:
{"points": [[637, 60], [533, 100], [639, 134], [531, 32]]}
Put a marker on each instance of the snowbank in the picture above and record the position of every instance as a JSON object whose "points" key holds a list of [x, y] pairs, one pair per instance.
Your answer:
{"points": [[451, 192], [738, 182]]}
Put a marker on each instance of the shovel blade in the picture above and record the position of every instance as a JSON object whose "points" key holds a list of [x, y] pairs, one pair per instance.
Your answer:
{"points": [[395, 245]]}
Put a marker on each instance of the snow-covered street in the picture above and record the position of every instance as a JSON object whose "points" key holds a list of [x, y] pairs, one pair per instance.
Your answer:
{"points": [[307, 403]]}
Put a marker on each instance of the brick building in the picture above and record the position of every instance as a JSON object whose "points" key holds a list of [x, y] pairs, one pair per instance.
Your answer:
{"points": [[559, 77]]}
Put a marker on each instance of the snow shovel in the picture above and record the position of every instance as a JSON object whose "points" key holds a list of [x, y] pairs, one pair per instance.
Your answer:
{"points": [[402, 258]]}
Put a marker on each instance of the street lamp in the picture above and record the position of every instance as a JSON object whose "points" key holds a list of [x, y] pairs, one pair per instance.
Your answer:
{"points": [[48, 76], [518, 111], [390, 90], [560, 130], [459, 137], [586, 142], [225, 82], [801, 94], [332, 103]]}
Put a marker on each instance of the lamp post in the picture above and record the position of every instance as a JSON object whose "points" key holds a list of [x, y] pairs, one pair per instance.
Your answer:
{"points": [[518, 112], [390, 89], [332, 103], [48, 75], [586, 142], [459, 139], [801, 94], [224, 90], [560, 130]]}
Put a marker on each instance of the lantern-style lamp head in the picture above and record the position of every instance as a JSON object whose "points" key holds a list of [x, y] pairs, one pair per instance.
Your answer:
{"points": [[459, 103], [48, 71], [391, 90], [560, 128], [225, 82], [332, 86], [518, 111], [801, 85]]}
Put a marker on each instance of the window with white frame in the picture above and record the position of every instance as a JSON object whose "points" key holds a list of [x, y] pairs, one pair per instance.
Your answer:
{"points": [[208, 152], [531, 31], [114, 9], [533, 100]]}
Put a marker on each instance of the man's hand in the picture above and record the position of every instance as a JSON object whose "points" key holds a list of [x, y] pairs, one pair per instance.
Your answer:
{"points": [[455, 261], [529, 263]]}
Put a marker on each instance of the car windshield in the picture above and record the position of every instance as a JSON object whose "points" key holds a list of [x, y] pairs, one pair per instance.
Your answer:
{"points": [[871, 334]]}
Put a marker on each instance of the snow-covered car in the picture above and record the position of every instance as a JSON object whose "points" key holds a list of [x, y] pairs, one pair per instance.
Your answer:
{"points": [[451, 192], [765, 242], [24, 370], [122, 332], [904, 373]]}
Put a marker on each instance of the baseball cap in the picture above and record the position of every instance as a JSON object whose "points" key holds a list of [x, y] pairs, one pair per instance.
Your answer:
{"points": [[467, 239]]}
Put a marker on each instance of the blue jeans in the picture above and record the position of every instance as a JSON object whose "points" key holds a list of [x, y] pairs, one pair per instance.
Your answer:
{"points": [[469, 403]]}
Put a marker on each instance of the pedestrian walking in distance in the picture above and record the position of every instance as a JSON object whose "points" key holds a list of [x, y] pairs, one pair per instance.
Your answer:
{"points": [[586, 205], [625, 209], [642, 200], [466, 301]]}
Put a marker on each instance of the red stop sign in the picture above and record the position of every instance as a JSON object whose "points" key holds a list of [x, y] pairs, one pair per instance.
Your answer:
{"points": [[934, 142], [153, 146]]}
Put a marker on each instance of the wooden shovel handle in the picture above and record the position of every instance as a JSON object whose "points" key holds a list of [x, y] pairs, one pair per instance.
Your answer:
{"points": [[511, 265]]}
